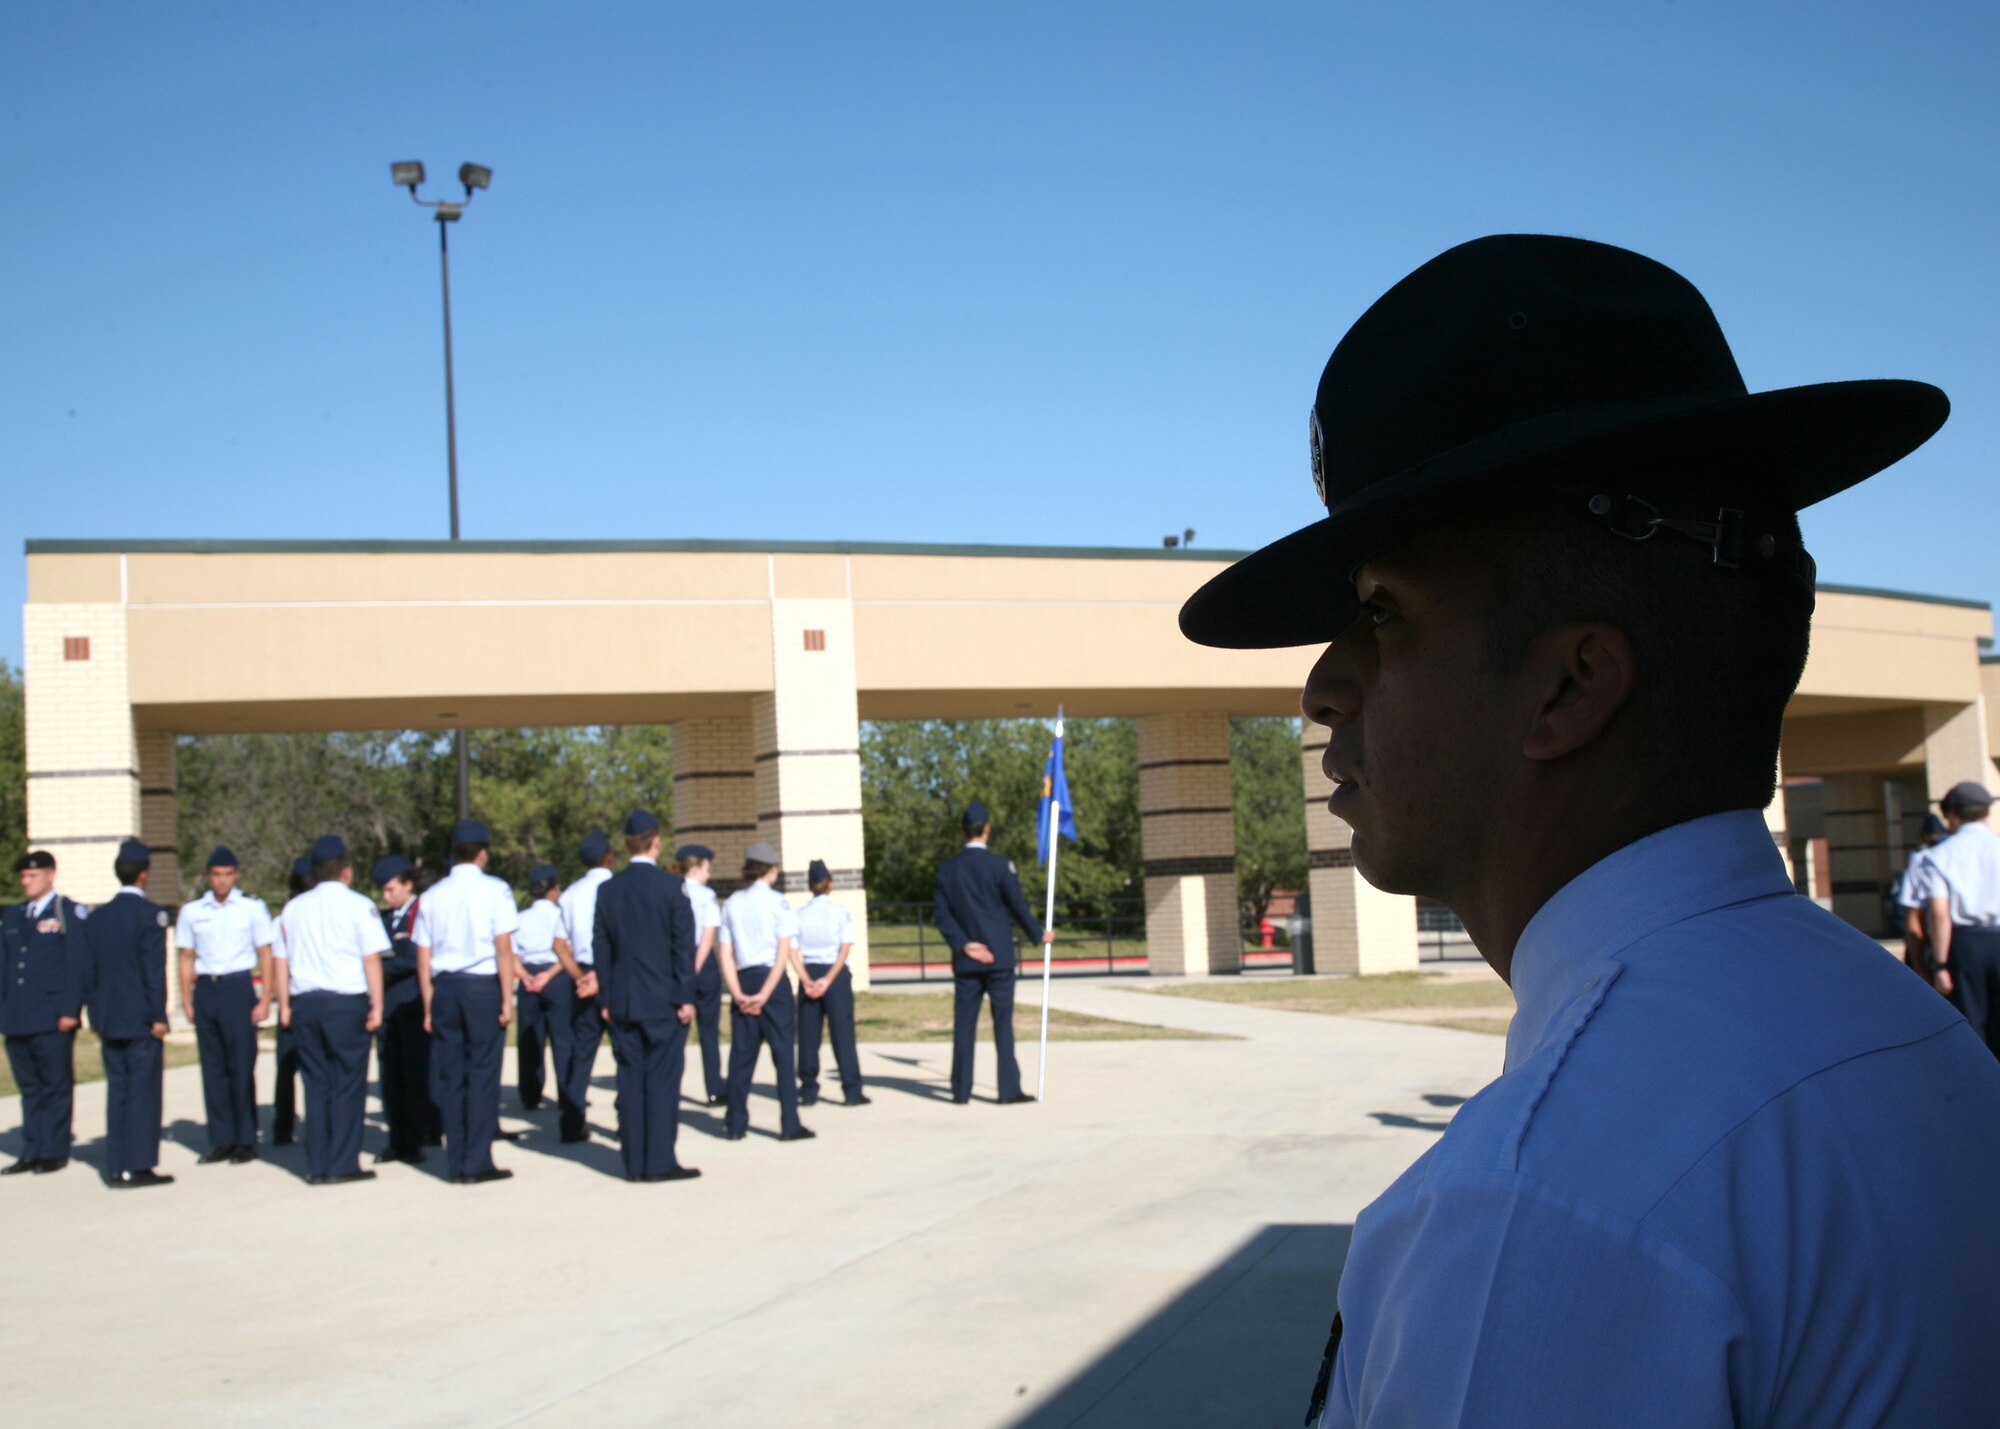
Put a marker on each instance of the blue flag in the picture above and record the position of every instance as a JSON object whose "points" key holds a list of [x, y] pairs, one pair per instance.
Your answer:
{"points": [[1055, 785]]}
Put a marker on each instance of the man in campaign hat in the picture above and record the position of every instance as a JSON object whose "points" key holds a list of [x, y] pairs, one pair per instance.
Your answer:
{"points": [[1560, 565], [124, 983]]}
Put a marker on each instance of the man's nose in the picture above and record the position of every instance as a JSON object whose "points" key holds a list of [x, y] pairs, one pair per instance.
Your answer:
{"points": [[1333, 690]]}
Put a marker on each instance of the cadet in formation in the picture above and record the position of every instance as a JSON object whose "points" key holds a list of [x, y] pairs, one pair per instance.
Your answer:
{"points": [[329, 974], [826, 937], [41, 1004], [576, 950], [124, 983], [644, 940], [694, 862], [465, 964], [1961, 887], [547, 999], [977, 895], [224, 938], [759, 944], [402, 1047], [285, 1083]]}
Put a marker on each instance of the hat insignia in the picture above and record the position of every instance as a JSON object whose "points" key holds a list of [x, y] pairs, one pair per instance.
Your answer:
{"points": [[1318, 457]]}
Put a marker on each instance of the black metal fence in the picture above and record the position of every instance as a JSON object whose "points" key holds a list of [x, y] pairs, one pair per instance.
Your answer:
{"points": [[1097, 936]]}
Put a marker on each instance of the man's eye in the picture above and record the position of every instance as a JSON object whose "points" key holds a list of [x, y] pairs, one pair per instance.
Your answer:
{"points": [[1376, 615]]}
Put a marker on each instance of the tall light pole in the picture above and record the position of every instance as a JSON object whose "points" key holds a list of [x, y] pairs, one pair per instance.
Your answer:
{"points": [[410, 174]]}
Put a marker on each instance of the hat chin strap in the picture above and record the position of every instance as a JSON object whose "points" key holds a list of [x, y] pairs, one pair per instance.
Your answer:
{"points": [[1734, 538]]}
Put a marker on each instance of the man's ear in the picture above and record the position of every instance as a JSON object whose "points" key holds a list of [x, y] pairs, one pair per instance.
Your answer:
{"points": [[1588, 673]]}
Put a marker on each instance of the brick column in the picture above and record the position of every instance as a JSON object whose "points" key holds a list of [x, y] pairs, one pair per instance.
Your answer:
{"points": [[1356, 927], [806, 737], [715, 791], [82, 751], [1188, 838], [1955, 747], [159, 815]]}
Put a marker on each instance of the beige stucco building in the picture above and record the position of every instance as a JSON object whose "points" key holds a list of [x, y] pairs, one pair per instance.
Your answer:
{"points": [[766, 658]]}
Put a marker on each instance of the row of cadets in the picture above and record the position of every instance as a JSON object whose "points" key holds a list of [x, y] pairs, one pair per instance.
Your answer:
{"points": [[402, 1046], [694, 862], [41, 1005], [225, 939], [465, 966], [826, 937], [546, 1003], [760, 935], [644, 940], [576, 950], [330, 946]]}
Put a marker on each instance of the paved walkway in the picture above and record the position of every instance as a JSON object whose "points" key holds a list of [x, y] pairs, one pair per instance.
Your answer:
{"points": [[1157, 1244]]}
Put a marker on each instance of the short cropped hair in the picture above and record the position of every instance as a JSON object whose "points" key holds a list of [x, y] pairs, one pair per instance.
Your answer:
{"points": [[540, 887], [128, 872], [467, 853], [638, 843], [330, 870], [753, 870], [1720, 651]]}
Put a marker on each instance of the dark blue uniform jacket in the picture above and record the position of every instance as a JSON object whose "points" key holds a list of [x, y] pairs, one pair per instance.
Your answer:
{"points": [[399, 924], [125, 966], [644, 944], [41, 966], [977, 897]]}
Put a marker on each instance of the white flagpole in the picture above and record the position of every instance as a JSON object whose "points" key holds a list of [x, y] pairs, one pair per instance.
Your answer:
{"points": [[1048, 922]]}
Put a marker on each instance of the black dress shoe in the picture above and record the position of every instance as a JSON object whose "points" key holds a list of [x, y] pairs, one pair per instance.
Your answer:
{"points": [[281, 1138], [858, 1099], [535, 1105], [634, 1177], [679, 1173], [808, 1098], [480, 1178], [133, 1180], [734, 1135], [342, 1180], [510, 1135], [573, 1140], [317, 1180], [26, 1163], [412, 1157], [802, 1134], [50, 1163], [214, 1156], [1016, 1099], [242, 1155], [960, 1101], [717, 1101]]}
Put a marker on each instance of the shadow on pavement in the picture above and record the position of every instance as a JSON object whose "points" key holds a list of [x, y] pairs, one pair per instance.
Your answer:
{"points": [[1410, 1123], [1239, 1346]]}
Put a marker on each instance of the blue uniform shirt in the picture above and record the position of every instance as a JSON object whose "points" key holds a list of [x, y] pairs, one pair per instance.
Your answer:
{"points": [[535, 939], [823, 926], [462, 918], [1738, 1171], [579, 914], [755, 921], [224, 934]]}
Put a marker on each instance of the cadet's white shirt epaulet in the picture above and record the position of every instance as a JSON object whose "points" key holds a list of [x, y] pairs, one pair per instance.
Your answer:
{"points": [[224, 933], [824, 924], [1965, 871], [323, 935], [541, 925], [754, 920], [461, 916], [579, 914]]}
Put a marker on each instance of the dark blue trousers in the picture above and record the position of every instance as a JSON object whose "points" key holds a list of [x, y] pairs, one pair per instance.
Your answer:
{"points": [[330, 1030], [835, 1012], [543, 1029], [227, 1040], [404, 1051], [468, 1047], [1975, 975], [586, 1035], [651, 1057], [967, 990], [133, 1067], [44, 1066], [777, 1026], [285, 1088], [708, 1022]]}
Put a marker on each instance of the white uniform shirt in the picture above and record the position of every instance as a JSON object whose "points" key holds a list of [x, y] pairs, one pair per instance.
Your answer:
{"points": [[823, 926], [707, 907], [579, 913], [753, 921], [225, 935], [323, 935], [459, 918], [541, 925], [1965, 871], [1916, 878], [1682, 1203]]}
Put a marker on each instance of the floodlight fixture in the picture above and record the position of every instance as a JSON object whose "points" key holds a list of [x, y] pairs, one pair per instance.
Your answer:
{"points": [[474, 176], [407, 174]]}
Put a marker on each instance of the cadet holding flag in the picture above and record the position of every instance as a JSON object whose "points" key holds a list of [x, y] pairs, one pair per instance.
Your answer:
{"points": [[977, 896]]}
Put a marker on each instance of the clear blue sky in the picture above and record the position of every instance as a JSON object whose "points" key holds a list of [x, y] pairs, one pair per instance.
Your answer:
{"points": [[942, 272]]}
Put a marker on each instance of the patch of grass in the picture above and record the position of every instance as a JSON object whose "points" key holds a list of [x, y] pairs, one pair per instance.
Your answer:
{"points": [[90, 1061], [1360, 996], [1492, 1026], [926, 1017]]}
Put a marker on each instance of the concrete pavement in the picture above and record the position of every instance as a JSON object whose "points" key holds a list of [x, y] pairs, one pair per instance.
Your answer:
{"points": [[1157, 1244]]}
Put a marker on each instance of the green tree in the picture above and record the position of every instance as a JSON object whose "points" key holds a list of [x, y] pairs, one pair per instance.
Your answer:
{"points": [[541, 790], [1270, 810], [13, 767]]}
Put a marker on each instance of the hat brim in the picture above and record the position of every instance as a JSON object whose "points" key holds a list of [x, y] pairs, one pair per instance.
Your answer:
{"points": [[1788, 448]]}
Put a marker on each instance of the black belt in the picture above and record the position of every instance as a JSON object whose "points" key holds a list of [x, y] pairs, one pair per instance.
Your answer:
{"points": [[222, 977]]}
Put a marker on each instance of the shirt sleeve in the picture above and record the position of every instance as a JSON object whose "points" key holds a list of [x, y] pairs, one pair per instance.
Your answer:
{"points": [[420, 931], [787, 923], [727, 936], [368, 923], [184, 928], [278, 936], [1481, 1303], [262, 929], [506, 917], [846, 924], [710, 914]]}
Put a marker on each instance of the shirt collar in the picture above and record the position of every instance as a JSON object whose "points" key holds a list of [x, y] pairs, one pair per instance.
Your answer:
{"points": [[597, 875], [132, 888], [975, 843], [39, 906], [210, 898], [1662, 879], [645, 858], [467, 870]]}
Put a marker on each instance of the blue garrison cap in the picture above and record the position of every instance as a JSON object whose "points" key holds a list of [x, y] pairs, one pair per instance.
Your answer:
{"points": [[471, 831], [133, 852], [688, 851], [816, 872], [640, 823], [544, 873], [328, 847], [595, 845], [223, 857], [389, 868], [302, 868], [976, 817]]}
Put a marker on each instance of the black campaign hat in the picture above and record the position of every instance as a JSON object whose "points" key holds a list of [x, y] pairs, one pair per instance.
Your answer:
{"points": [[1524, 364], [34, 858]]}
